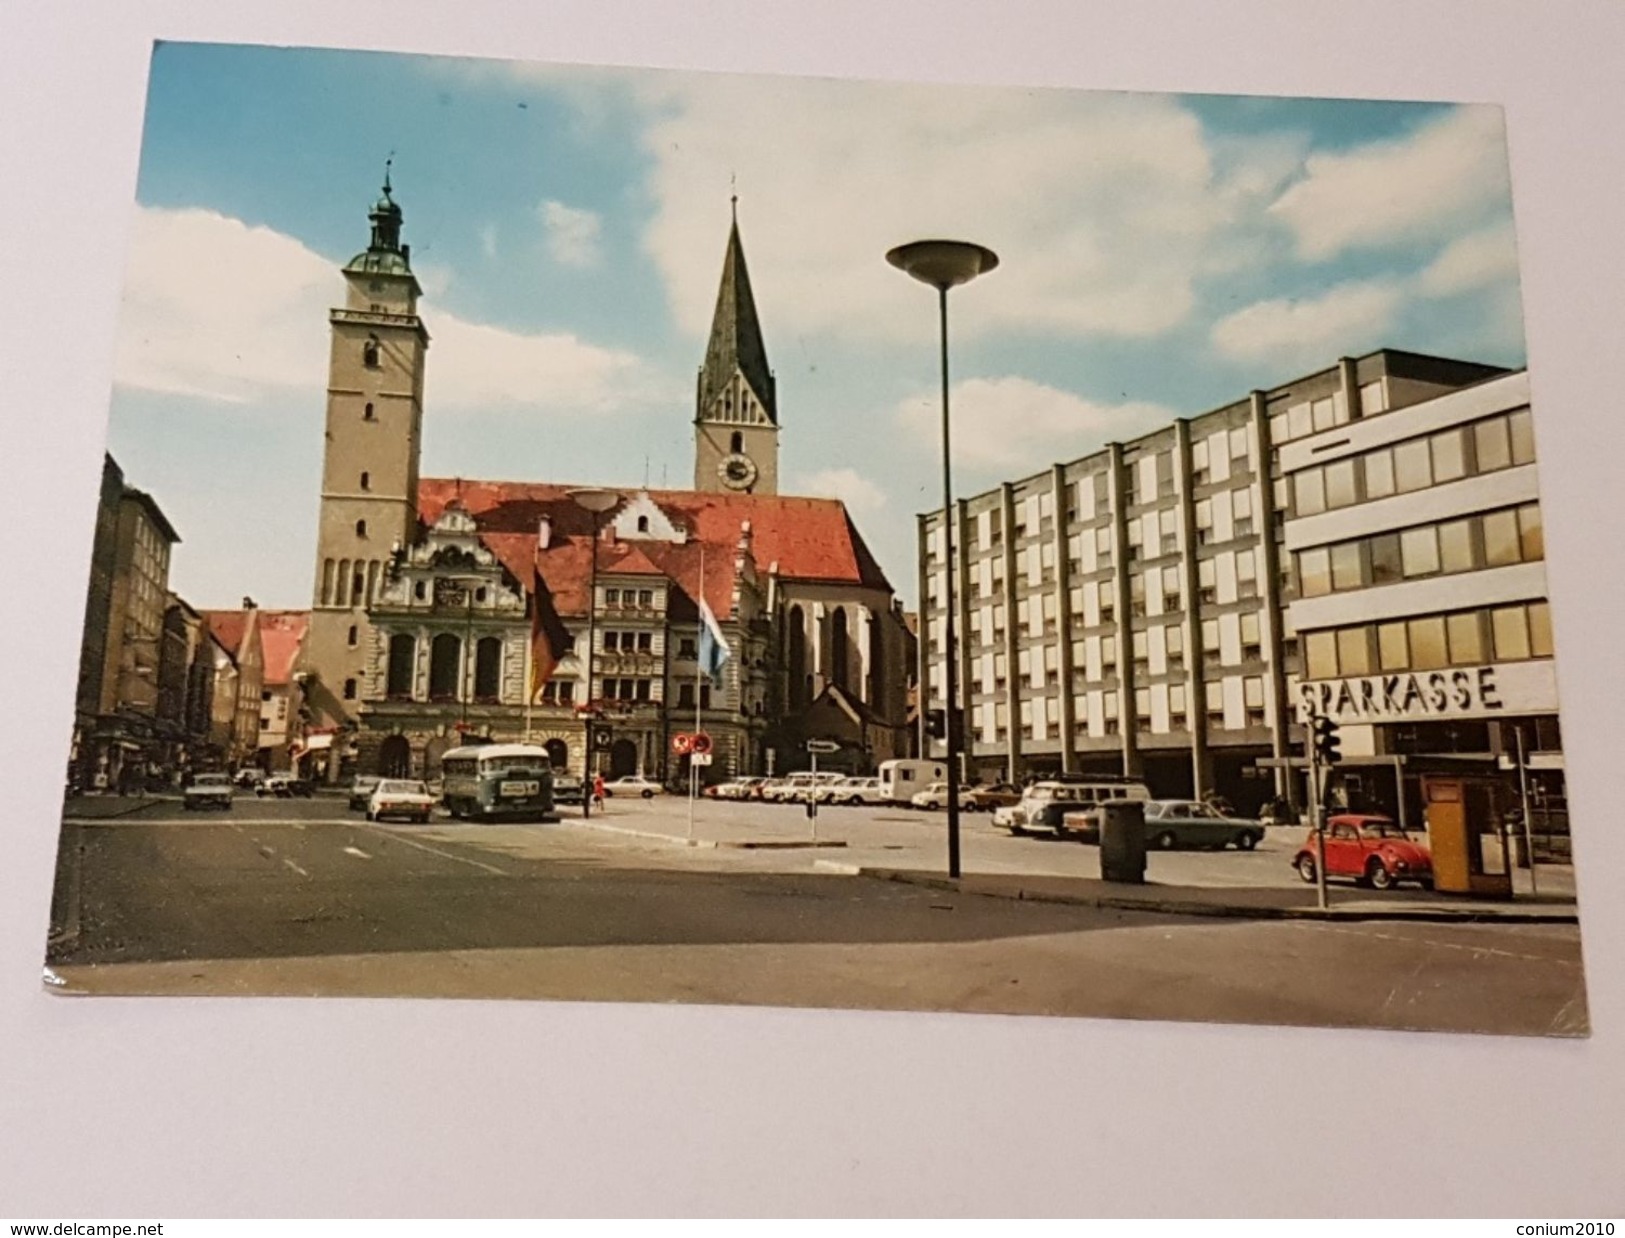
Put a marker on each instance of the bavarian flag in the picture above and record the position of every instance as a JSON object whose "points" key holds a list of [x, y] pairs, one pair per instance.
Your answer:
{"points": [[550, 640], [713, 644]]}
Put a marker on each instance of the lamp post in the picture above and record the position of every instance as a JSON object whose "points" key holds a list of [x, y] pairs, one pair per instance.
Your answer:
{"points": [[945, 265], [595, 502]]}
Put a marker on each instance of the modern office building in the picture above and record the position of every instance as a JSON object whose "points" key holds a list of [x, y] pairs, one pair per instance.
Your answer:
{"points": [[1421, 605], [1132, 610]]}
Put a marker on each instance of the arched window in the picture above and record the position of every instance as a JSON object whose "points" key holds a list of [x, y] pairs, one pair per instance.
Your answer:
{"points": [[736, 441], [838, 660], [402, 655], [358, 586], [366, 481], [445, 665], [643, 524], [354, 635], [420, 591], [349, 689], [328, 570], [558, 753], [369, 353], [367, 414], [343, 598], [361, 528], [488, 669], [877, 668], [796, 640]]}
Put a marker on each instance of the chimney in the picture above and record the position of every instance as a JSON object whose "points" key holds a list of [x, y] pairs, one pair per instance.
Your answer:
{"points": [[544, 532]]}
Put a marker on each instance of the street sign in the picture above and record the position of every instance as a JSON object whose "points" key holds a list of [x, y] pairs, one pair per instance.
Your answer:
{"points": [[682, 743], [700, 758], [823, 746], [600, 735], [701, 743]]}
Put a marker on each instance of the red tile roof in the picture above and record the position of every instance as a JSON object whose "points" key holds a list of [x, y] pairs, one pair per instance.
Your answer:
{"points": [[281, 634], [802, 539], [228, 627]]}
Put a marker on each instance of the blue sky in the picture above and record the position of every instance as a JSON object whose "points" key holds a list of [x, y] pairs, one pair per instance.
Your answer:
{"points": [[1161, 255]]}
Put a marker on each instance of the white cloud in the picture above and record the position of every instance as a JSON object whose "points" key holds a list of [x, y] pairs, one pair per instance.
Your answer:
{"points": [[1105, 208], [1014, 425], [1292, 332], [572, 234], [217, 309], [1447, 175], [861, 496], [1475, 261], [488, 240]]}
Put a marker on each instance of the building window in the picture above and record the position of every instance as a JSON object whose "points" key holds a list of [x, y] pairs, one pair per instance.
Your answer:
{"points": [[1246, 575], [366, 481], [1252, 644], [352, 636], [367, 413], [361, 528], [685, 696], [445, 665], [643, 524], [402, 657], [369, 353], [420, 591], [488, 669], [646, 598], [612, 597], [349, 689], [736, 442], [685, 648]]}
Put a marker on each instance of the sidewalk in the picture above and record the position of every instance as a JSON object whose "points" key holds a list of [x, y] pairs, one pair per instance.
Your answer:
{"points": [[101, 807], [1344, 902], [1044, 876]]}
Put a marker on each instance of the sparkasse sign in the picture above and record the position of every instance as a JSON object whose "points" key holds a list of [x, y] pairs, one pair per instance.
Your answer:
{"points": [[1497, 690]]}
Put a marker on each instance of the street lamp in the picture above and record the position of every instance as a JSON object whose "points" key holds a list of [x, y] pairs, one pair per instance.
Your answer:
{"points": [[595, 502], [945, 265]]}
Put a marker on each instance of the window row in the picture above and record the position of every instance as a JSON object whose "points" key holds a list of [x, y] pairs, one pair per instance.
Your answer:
{"points": [[628, 642], [1465, 638], [1485, 446], [640, 599], [1495, 539], [447, 671], [628, 689], [348, 582]]}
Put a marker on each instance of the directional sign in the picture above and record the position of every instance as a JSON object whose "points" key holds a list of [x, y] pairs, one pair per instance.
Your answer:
{"points": [[822, 746]]}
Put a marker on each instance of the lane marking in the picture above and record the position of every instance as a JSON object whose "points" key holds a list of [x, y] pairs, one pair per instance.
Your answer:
{"points": [[357, 851], [445, 855], [295, 867]]}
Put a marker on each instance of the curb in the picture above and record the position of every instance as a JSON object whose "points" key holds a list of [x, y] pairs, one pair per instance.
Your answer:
{"points": [[1194, 907], [781, 844]]}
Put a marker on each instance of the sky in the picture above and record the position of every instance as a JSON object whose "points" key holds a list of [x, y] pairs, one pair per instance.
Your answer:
{"points": [[1161, 255]]}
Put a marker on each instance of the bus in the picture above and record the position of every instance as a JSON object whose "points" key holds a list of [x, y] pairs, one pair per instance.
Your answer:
{"points": [[900, 779], [491, 781]]}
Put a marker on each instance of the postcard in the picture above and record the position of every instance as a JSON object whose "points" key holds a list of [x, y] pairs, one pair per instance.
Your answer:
{"points": [[627, 535]]}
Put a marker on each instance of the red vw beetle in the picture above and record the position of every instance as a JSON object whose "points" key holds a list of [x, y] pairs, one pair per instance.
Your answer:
{"points": [[1370, 849]]}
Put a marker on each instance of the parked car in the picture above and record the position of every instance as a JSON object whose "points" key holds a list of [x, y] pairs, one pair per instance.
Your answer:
{"points": [[1046, 805], [361, 791], [406, 798], [207, 791], [248, 777], [1192, 823], [989, 797], [736, 789], [1370, 849], [284, 786], [633, 784], [798, 788], [566, 789], [935, 796], [852, 791]]}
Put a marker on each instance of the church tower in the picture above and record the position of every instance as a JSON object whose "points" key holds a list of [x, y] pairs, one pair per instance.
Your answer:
{"points": [[370, 462], [736, 420]]}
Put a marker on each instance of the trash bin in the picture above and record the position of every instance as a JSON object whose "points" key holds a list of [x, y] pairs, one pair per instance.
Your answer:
{"points": [[1122, 841]]}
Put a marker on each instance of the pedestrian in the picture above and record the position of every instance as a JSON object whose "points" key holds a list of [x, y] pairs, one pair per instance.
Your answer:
{"points": [[598, 791]]}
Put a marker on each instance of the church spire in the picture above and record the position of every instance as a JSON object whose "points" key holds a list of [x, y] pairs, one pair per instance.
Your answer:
{"points": [[736, 335]]}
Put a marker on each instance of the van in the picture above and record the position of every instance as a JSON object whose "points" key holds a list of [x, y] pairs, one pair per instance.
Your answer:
{"points": [[901, 779], [1044, 805]]}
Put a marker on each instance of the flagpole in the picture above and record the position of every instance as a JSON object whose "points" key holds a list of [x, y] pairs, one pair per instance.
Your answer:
{"points": [[693, 769]]}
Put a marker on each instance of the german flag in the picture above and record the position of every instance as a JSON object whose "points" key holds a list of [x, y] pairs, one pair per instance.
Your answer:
{"points": [[550, 640]]}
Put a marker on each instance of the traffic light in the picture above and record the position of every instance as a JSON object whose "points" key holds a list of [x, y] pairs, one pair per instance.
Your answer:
{"points": [[936, 723], [1328, 745]]}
